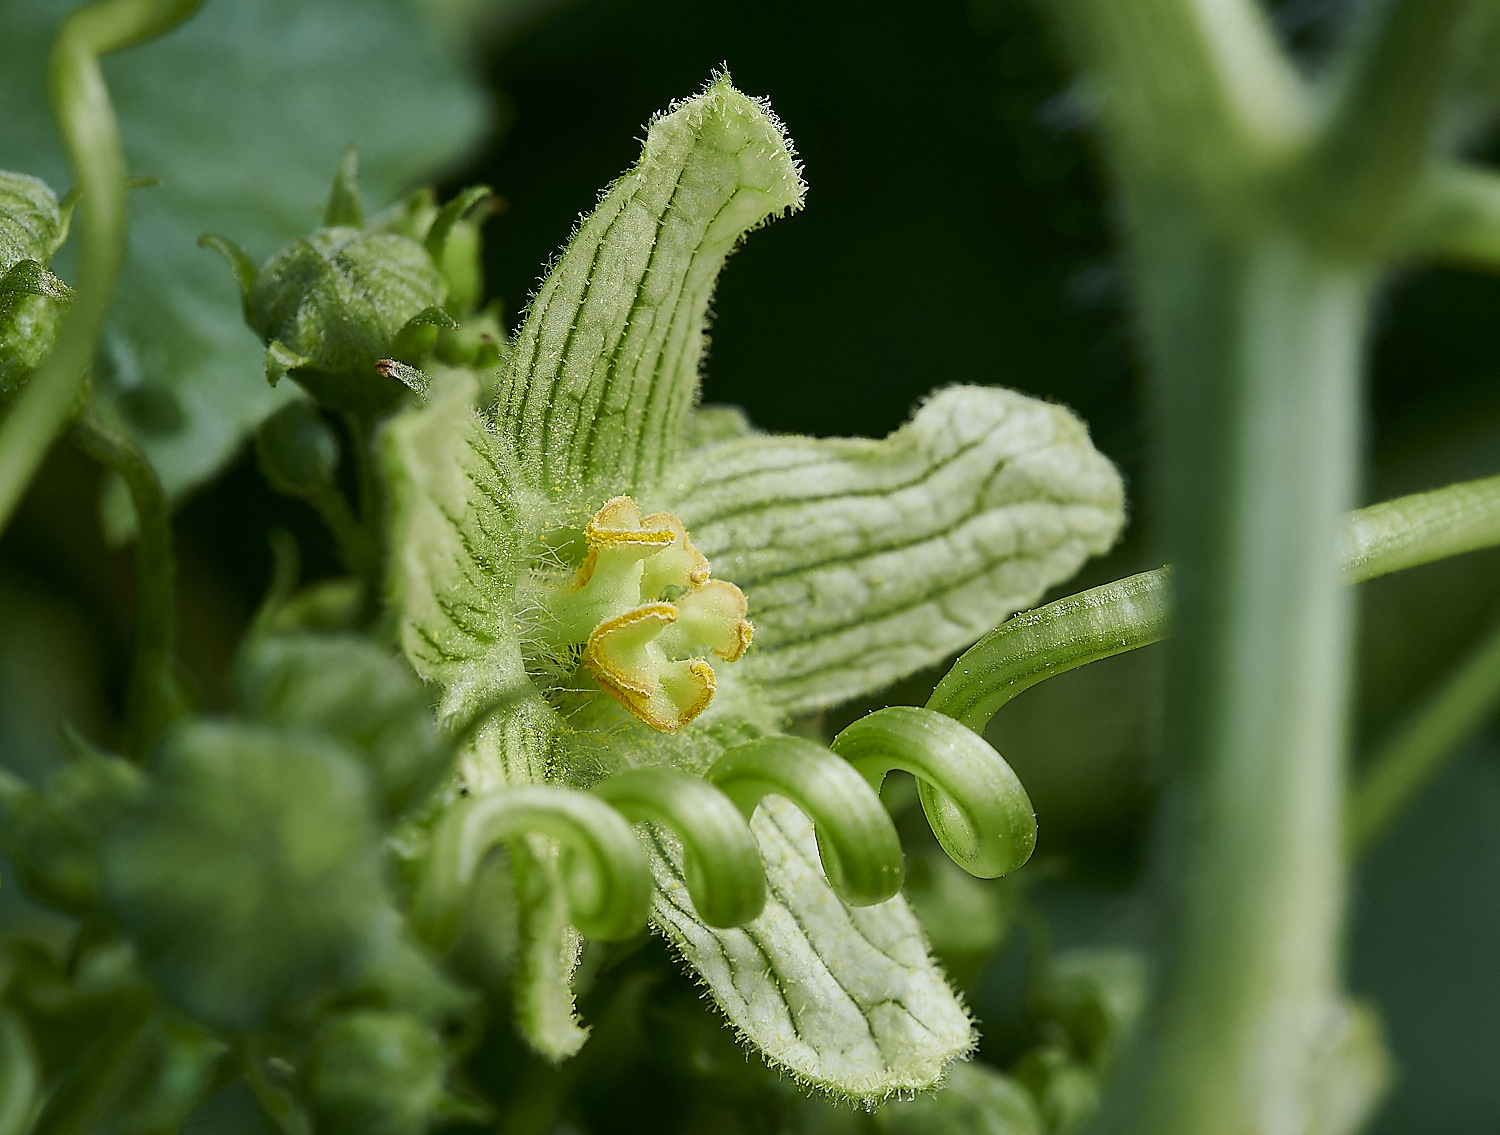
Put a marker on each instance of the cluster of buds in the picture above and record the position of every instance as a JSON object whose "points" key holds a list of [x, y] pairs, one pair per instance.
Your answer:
{"points": [[646, 613]]}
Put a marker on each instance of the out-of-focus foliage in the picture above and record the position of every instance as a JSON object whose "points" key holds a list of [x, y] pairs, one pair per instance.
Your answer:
{"points": [[238, 113]]}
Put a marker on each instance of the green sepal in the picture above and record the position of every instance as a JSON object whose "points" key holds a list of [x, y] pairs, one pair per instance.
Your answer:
{"points": [[605, 366], [331, 305], [478, 342], [448, 216], [344, 206], [297, 452], [547, 954], [457, 529], [864, 561], [32, 304], [1067, 1091], [32, 300], [408, 376], [30, 278], [1096, 996], [239, 260], [281, 360], [844, 998], [419, 333], [32, 224]]}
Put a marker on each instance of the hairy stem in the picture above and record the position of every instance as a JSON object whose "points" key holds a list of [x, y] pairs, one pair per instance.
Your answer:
{"points": [[91, 138], [1257, 348], [369, 536], [1128, 613], [1409, 758], [152, 698]]}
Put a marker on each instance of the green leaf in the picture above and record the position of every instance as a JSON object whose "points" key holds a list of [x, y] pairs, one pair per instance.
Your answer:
{"points": [[974, 1100], [242, 113], [605, 367], [864, 561], [845, 998]]}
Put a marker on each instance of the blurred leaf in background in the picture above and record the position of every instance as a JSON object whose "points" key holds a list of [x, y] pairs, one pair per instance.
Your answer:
{"points": [[241, 114]]}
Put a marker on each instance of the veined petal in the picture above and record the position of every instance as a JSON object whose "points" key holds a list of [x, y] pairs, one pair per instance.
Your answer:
{"points": [[605, 368], [864, 561], [456, 537], [842, 997]]}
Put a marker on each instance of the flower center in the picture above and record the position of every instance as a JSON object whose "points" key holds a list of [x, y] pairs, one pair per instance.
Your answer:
{"points": [[646, 612]]}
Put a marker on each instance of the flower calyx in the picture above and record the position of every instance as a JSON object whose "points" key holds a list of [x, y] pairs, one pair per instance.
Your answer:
{"points": [[334, 307], [646, 611]]}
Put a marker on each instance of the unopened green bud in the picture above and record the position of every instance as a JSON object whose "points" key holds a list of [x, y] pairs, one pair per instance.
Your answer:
{"points": [[330, 306], [297, 451], [380, 1073], [32, 300]]}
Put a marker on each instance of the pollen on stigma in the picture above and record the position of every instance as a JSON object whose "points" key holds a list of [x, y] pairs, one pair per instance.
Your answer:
{"points": [[646, 612]]}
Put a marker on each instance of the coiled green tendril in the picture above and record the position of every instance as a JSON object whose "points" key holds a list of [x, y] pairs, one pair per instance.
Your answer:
{"points": [[720, 861], [604, 871], [857, 842], [976, 805]]}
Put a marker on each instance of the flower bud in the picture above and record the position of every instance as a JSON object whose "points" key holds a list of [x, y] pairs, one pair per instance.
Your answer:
{"points": [[330, 306], [32, 300]]}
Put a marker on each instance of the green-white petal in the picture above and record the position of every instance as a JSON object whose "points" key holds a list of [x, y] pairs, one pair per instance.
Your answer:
{"points": [[455, 521], [846, 998], [864, 561], [605, 367]]}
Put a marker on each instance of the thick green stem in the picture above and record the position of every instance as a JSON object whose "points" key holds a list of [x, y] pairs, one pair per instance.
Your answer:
{"points": [[1257, 354], [1404, 764], [91, 138], [152, 698]]}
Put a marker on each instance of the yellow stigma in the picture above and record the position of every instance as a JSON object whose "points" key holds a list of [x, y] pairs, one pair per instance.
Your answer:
{"points": [[644, 600]]}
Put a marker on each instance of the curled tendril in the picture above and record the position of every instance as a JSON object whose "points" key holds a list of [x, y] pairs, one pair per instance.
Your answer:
{"points": [[976, 805], [91, 139], [857, 842], [721, 863], [604, 870]]}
